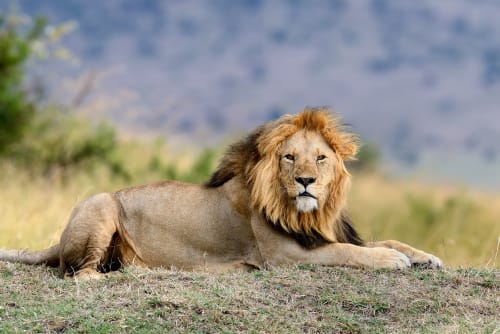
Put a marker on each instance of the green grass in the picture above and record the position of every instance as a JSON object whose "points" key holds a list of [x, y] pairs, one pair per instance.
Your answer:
{"points": [[299, 299]]}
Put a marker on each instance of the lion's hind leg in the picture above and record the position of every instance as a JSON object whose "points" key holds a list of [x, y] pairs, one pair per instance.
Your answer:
{"points": [[417, 257], [87, 243]]}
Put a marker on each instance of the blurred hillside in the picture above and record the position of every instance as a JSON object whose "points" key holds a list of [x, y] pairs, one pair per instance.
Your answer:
{"points": [[421, 79]]}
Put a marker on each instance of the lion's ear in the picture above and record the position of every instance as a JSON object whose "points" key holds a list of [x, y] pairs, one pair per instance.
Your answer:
{"points": [[345, 144], [271, 138], [348, 146]]}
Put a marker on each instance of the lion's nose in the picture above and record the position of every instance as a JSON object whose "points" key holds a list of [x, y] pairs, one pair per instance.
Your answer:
{"points": [[305, 181]]}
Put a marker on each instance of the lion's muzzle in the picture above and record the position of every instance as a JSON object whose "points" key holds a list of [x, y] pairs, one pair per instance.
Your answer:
{"points": [[306, 202]]}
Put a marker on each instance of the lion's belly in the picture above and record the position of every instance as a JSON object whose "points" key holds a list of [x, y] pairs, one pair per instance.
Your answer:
{"points": [[188, 227]]}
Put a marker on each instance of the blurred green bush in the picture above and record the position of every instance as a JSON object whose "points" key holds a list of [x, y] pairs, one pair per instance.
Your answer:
{"points": [[198, 172], [58, 142], [49, 140], [16, 110], [367, 159]]}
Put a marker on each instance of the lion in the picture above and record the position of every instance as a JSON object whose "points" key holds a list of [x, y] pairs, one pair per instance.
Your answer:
{"points": [[278, 197]]}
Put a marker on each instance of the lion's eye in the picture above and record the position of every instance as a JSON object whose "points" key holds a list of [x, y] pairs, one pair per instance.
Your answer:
{"points": [[321, 157], [289, 157]]}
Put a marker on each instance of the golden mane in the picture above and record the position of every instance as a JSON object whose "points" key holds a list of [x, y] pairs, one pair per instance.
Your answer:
{"points": [[256, 160]]}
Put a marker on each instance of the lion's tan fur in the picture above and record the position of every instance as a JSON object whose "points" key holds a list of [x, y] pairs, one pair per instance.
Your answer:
{"points": [[246, 216]]}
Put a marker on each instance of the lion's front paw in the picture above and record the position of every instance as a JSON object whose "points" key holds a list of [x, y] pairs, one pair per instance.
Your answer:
{"points": [[426, 260], [388, 259]]}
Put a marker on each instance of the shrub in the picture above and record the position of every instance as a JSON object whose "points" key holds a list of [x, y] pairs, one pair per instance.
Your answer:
{"points": [[16, 111], [198, 172], [202, 168], [57, 142], [51, 139], [367, 159]]}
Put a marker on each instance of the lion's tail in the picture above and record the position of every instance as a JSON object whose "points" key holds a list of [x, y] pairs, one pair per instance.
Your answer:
{"points": [[49, 256]]}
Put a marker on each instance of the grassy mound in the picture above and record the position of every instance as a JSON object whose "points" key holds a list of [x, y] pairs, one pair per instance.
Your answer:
{"points": [[284, 300]]}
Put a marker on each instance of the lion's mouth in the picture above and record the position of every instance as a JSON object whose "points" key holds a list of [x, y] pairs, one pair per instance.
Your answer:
{"points": [[306, 202], [307, 194]]}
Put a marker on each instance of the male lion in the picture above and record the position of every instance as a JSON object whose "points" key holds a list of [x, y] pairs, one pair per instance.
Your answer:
{"points": [[278, 197]]}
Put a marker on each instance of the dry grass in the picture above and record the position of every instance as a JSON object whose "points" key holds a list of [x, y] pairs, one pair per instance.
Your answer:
{"points": [[461, 226], [35, 211], [310, 299]]}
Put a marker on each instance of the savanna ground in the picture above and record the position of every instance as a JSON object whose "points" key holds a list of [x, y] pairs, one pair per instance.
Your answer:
{"points": [[302, 299]]}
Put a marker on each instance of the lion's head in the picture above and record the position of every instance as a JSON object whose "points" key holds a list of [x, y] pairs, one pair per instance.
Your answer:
{"points": [[306, 170], [295, 171]]}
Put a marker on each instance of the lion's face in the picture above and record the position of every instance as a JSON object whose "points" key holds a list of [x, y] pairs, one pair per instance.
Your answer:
{"points": [[307, 167], [295, 173]]}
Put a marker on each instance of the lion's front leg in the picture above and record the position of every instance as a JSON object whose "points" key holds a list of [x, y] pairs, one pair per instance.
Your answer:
{"points": [[345, 254], [278, 249], [337, 254], [416, 256]]}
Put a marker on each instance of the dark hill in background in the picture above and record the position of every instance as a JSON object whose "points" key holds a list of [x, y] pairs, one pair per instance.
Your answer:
{"points": [[419, 78]]}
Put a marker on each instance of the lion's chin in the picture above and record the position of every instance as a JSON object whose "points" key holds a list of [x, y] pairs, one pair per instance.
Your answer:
{"points": [[306, 204]]}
